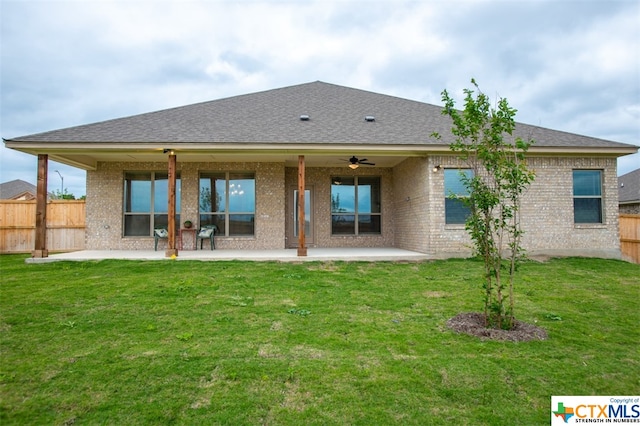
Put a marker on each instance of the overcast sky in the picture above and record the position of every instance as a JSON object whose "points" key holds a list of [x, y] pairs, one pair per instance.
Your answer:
{"points": [[564, 64]]}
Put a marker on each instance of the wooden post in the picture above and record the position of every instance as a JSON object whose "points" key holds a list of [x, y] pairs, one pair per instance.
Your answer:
{"points": [[302, 248], [40, 249], [171, 210]]}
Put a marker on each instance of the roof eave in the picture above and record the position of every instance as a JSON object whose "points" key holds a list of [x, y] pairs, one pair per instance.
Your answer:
{"points": [[150, 147], [616, 151], [39, 147], [85, 155]]}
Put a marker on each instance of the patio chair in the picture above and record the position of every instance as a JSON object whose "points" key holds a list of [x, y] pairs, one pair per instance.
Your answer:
{"points": [[206, 233], [160, 234]]}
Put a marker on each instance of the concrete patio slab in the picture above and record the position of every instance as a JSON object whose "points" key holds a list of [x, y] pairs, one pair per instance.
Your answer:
{"points": [[286, 255]]}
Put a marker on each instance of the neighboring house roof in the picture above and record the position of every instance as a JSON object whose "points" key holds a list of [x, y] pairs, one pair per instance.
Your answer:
{"points": [[17, 190], [629, 187], [270, 121]]}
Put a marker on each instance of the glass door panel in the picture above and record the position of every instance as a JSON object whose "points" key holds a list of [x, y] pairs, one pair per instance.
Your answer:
{"points": [[308, 217]]}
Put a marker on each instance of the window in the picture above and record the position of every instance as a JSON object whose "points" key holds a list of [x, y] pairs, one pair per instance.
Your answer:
{"points": [[455, 210], [228, 200], [355, 205], [587, 196], [146, 199]]}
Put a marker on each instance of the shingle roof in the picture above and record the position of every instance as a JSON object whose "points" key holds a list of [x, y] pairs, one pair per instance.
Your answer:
{"points": [[629, 187], [14, 188], [337, 116]]}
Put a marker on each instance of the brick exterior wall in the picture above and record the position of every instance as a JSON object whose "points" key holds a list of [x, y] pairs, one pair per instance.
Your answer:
{"points": [[105, 204], [413, 203], [547, 211], [320, 179]]}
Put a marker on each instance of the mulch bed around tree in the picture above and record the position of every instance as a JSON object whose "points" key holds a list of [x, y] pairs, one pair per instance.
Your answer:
{"points": [[472, 323]]}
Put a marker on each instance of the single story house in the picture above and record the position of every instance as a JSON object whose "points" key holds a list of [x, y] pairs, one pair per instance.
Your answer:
{"points": [[319, 165], [629, 192], [17, 189]]}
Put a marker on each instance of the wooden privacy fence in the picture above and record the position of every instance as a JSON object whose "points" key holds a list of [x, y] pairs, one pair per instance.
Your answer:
{"points": [[65, 225], [66, 228], [630, 237]]}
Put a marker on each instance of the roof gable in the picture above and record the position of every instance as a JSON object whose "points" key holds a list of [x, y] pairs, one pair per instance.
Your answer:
{"points": [[629, 187], [17, 189]]}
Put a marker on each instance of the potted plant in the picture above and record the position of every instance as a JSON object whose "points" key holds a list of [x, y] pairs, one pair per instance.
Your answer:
{"points": [[188, 224]]}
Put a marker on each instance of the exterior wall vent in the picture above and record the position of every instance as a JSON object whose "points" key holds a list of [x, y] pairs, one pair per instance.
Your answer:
{"points": [[304, 117], [369, 118]]}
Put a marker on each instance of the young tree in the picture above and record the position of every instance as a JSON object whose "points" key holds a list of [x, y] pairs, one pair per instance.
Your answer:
{"points": [[60, 195], [484, 140]]}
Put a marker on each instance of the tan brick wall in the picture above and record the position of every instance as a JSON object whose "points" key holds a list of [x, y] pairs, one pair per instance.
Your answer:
{"points": [[411, 204], [444, 240], [547, 211], [320, 179], [104, 206], [412, 207], [105, 198]]}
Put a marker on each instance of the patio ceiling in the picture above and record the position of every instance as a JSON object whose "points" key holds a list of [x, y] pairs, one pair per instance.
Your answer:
{"points": [[318, 155], [315, 155]]}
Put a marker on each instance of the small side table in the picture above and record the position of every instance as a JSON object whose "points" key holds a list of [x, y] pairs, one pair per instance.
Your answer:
{"points": [[187, 231]]}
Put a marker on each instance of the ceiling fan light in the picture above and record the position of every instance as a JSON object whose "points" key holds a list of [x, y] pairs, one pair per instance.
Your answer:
{"points": [[353, 166]]}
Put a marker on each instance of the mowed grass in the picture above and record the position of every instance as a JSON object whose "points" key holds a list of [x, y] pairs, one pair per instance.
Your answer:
{"points": [[242, 343]]}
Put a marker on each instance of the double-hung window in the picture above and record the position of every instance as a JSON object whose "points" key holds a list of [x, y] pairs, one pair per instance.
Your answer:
{"points": [[455, 210], [355, 205], [587, 196], [228, 201], [146, 200]]}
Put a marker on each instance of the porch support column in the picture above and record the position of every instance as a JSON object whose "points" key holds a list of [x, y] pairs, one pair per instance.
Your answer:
{"points": [[171, 210], [40, 248], [302, 248]]}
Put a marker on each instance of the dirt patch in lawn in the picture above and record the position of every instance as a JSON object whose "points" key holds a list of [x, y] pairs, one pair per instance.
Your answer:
{"points": [[472, 323]]}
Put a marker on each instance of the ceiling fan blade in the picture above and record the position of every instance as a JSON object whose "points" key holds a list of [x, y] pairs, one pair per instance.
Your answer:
{"points": [[355, 161]]}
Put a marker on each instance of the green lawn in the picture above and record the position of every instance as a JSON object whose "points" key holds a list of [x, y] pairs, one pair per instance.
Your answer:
{"points": [[188, 342]]}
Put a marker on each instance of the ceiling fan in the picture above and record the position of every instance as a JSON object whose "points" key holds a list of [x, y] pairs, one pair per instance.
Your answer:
{"points": [[354, 162]]}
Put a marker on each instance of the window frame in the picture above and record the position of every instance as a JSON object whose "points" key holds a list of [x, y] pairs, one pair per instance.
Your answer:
{"points": [[356, 213], [152, 214], [579, 214], [456, 197], [226, 213]]}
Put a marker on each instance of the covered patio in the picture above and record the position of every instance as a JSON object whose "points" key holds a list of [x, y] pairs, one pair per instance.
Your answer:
{"points": [[284, 255]]}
